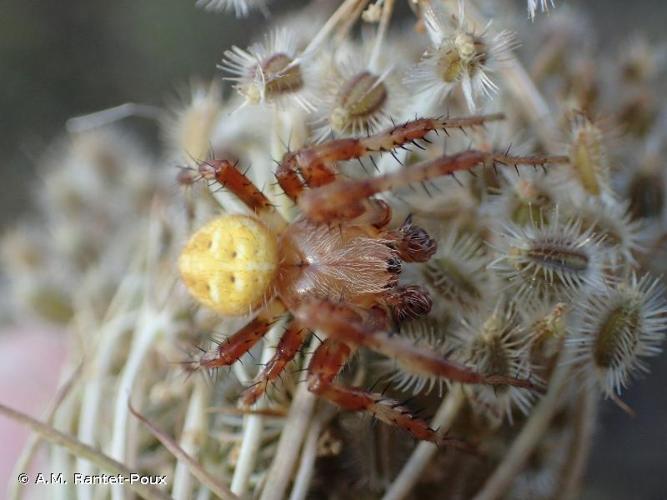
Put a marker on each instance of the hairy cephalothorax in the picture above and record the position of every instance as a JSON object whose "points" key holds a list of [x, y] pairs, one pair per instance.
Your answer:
{"points": [[335, 268]]}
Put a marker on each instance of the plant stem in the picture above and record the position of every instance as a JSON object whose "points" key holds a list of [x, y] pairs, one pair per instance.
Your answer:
{"points": [[206, 479], [110, 335], [289, 445], [253, 424], [151, 323], [23, 463], [347, 7], [420, 458], [530, 434], [581, 443], [191, 438], [309, 454], [82, 450], [387, 10]]}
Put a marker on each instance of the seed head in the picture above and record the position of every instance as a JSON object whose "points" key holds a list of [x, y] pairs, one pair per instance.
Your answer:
{"points": [[462, 57], [271, 72], [527, 198], [358, 98], [617, 328], [588, 156], [192, 122], [456, 273], [542, 4], [496, 344], [241, 8], [610, 223], [553, 261]]}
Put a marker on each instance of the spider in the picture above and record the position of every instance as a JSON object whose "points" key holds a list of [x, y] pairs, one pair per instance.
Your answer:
{"points": [[335, 268]]}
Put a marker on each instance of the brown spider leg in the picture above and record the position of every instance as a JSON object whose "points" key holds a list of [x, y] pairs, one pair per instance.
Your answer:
{"points": [[327, 317], [377, 213], [326, 364], [314, 166], [231, 349], [229, 176], [343, 199], [290, 343]]}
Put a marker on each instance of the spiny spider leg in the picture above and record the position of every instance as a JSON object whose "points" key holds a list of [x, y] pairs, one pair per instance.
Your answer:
{"points": [[343, 199], [289, 345], [229, 176], [331, 319], [327, 362], [231, 349], [314, 166]]}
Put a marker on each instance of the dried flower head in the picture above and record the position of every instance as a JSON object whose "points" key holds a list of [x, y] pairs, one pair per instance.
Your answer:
{"points": [[525, 262], [588, 156], [527, 198], [192, 121], [546, 326], [617, 328], [495, 342], [552, 261], [459, 56], [359, 95], [641, 61], [542, 4], [456, 273], [611, 224], [272, 71], [241, 8]]}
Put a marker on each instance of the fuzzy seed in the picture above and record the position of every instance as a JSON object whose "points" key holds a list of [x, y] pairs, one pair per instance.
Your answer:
{"points": [[281, 75], [587, 157], [616, 334], [358, 100]]}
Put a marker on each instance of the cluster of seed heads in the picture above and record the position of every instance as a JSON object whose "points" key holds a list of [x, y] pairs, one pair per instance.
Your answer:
{"points": [[544, 274]]}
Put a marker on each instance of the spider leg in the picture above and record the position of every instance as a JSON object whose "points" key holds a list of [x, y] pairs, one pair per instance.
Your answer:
{"points": [[327, 317], [290, 343], [343, 199], [377, 213], [229, 176], [315, 166], [231, 349], [327, 362]]}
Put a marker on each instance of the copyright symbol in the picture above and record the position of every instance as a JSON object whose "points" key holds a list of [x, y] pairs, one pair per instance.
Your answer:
{"points": [[23, 478]]}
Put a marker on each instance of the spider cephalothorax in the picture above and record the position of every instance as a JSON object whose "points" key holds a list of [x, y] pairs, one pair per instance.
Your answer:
{"points": [[335, 268]]}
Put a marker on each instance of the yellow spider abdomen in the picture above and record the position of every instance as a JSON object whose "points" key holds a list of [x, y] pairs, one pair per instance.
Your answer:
{"points": [[230, 263]]}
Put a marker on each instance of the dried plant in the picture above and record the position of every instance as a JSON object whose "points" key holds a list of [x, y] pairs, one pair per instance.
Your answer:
{"points": [[359, 202]]}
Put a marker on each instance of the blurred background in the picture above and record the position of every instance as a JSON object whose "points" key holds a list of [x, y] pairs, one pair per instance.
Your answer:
{"points": [[63, 59]]}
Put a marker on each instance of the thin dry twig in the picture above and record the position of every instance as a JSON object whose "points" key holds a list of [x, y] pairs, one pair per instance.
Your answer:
{"points": [[196, 468], [528, 438], [580, 446], [82, 450], [425, 451], [24, 461]]}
